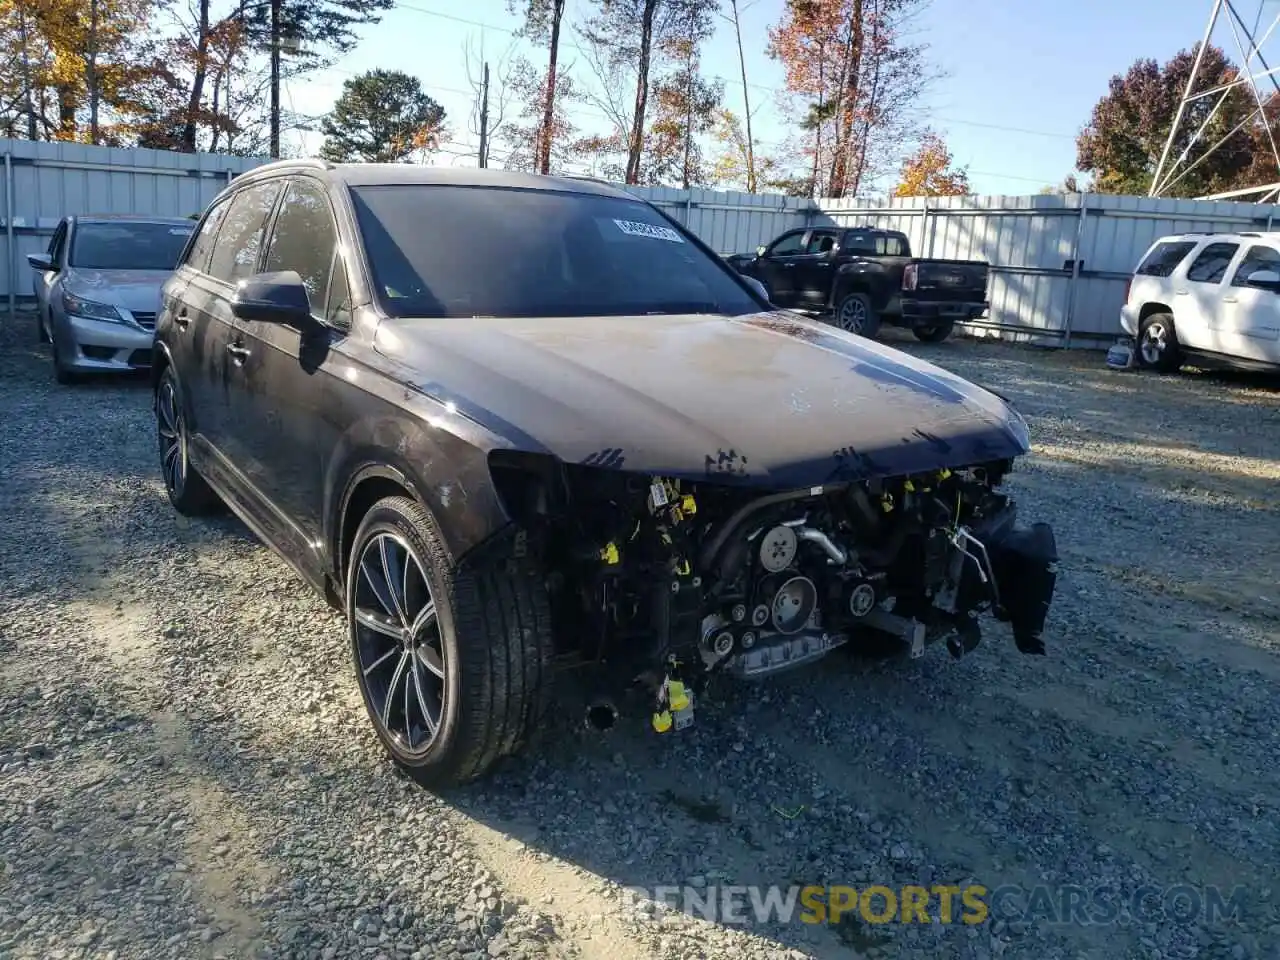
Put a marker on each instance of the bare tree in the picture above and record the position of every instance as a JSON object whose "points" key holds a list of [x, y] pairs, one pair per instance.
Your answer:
{"points": [[502, 94]]}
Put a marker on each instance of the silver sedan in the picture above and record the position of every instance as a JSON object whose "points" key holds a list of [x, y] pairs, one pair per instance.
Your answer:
{"points": [[98, 286]]}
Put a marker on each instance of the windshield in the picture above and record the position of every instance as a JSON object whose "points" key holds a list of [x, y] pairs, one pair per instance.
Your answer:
{"points": [[448, 251], [128, 246]]}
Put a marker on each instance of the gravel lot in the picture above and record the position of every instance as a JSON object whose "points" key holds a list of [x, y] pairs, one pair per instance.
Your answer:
{"points": [[186, 771]]}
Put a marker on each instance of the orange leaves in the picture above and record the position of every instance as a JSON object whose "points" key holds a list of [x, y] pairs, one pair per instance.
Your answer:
{"points": [[928, 172]]}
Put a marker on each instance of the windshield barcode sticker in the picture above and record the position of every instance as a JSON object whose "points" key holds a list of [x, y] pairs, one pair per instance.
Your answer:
{"points": [[637, 229]]}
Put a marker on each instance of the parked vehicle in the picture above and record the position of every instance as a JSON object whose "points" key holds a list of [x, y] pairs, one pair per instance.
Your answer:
{"points": [[610, 452], [865, 277], [97, 290], [1212, 299]]}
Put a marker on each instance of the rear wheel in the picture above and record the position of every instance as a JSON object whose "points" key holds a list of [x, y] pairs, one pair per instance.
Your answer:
{"points": [[453, 661], [190, 495], [1158, 347], [855, 314], [934, 332]]}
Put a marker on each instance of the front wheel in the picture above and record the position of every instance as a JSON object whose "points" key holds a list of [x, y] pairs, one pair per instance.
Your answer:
{"points": [[855, 314], [453, 661], [934, 332], [190, 495]]}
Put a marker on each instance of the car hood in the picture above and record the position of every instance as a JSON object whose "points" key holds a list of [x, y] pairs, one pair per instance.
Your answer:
{"points": [[766, 399], [135, 290]]}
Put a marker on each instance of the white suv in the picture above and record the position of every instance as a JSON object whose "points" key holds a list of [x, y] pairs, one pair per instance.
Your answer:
{"points": [[1212, 299]]}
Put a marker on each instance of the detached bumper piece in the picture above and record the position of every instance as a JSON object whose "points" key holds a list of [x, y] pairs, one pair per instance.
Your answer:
{"points": [[1025, 564]]}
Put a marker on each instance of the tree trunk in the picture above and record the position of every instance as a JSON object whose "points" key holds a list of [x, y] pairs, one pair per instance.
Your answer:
{"points": [[549, 109], [197, 81], [217, 91], [68, 101], [847, 106], [91, 72], [28, 100], [642, 91], [746, 101]]}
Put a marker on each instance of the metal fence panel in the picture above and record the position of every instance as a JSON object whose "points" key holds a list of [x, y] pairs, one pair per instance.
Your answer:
{"points": [[1058, 263]]}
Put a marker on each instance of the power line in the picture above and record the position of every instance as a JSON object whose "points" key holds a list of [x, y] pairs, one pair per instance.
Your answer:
{"points": [[729, 81]]}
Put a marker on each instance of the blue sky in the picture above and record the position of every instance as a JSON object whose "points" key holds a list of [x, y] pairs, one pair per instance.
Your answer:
{"points": [[1023, 74]]}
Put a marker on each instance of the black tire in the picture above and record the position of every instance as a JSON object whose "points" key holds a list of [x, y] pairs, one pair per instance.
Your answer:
{"points": [[934, 332], [854, 314], [1157, 347], [44, 337], [481, 661], [190, 495]]}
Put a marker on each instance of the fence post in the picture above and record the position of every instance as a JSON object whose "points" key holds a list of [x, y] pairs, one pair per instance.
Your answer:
{"points": [[10, 250], [926, 237], [1076, 244]]}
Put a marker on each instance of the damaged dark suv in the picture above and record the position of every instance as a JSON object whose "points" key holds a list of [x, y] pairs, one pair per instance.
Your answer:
{"points": [[512, 424]]}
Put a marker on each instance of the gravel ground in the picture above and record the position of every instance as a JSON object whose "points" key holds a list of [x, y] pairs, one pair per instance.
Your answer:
{"points": [[186, 771]]}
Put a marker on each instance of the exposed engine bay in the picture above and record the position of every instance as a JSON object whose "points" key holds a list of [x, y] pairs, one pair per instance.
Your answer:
{"points": [[678, 581]]}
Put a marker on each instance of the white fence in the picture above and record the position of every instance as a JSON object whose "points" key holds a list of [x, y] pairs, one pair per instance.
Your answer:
{"points": [[1058, 263]]}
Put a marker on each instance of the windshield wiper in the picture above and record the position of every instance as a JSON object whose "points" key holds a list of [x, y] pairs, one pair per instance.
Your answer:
{"points": [[686, 306]]}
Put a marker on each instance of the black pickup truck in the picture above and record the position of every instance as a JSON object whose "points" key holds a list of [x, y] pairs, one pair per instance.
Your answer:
{"points": [[863, 277]]}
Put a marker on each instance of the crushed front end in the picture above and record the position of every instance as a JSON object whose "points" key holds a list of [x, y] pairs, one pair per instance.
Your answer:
{"points": [[673, 582]]}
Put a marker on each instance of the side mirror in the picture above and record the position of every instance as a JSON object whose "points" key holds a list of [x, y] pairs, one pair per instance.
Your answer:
{"points": [[758, 287], [278, 297], [42, 262], [760, 251], [1266, 279]]}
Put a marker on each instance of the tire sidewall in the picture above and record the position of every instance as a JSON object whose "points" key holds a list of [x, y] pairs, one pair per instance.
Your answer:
{"points": [[168, 378], [387, 518]]}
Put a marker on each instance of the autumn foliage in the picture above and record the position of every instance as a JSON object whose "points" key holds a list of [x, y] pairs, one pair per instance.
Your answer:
{"points": [[928, 172]]}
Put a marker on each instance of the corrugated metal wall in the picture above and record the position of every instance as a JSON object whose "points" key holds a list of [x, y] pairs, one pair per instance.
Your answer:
{"points": [[44, 182], [1058, 263]]}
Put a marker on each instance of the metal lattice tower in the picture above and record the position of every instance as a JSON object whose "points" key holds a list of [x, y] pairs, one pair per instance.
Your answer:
{"points": [[1255, 72]]}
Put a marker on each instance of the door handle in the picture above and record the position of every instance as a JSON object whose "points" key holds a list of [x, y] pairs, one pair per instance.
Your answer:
{"points": [[789, 265], [1181, 293], [239, 354], [181, 318], [1229, 300]]}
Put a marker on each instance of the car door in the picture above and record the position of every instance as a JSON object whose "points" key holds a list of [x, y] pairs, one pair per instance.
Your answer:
{"points": [[234, 254], [1197, 295], [815, 267], [287, 372], [777, 266], [1250, 316]]}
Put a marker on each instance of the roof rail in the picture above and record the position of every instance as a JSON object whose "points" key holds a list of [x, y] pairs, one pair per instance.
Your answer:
{"points": [[314, 163], [583, 176]]}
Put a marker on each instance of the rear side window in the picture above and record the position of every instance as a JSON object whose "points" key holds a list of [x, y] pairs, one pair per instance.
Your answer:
{"points": [[235, 255], [202, 245], [889, 246], [1257, 258], [1211, 265], [859, 243], [1164, 258], [305, 239]]}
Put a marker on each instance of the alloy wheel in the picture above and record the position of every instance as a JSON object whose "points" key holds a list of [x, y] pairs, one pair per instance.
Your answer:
{"points": [[852, 316], [173, 440], [1154, 342], [399, 648]]}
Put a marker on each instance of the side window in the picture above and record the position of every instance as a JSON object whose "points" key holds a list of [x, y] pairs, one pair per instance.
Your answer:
{"points": [[305, 239], [821, 242], [202, 245], [58, 242], [887, 245], [1257, 258], [788, 245], [859, 241], [1211, 265], [235, 254], [338, 309], [1164, 258]]}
